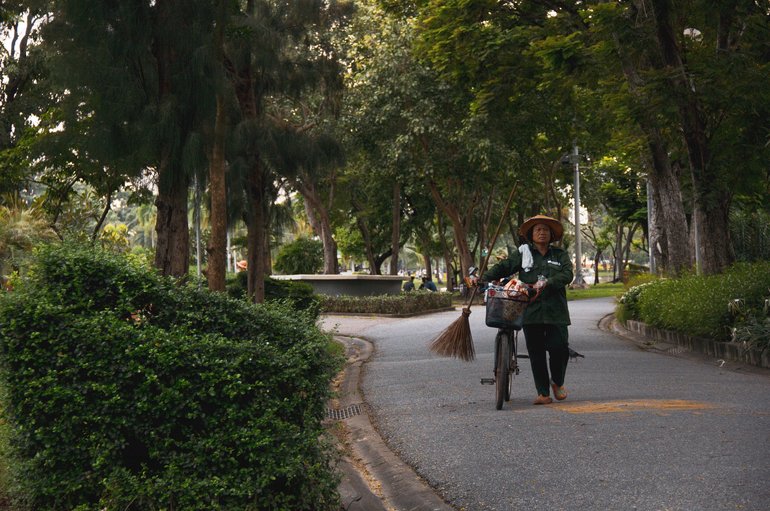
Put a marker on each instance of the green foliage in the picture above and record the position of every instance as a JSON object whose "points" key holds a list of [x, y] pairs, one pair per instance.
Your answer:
{"points": [[125, 391], [640, 278], [405, 303], [301, 256], [350, 242], [628, 305], [753, 332], [698, 305], [750, 234], [298, 294], [597, 291], [21, 228], [115, 237]]}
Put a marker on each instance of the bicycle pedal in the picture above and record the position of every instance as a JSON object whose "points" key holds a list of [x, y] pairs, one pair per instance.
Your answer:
{"points": [[487, 381]]}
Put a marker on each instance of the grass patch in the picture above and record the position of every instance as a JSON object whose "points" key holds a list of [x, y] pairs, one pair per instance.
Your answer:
{"points": [[597, 291]]}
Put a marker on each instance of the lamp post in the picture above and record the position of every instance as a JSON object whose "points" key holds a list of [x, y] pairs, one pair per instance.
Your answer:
{"points": [[578, 255]]}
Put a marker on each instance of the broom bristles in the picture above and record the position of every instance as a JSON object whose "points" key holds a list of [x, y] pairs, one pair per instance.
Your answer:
{"points": [[456, 340]]}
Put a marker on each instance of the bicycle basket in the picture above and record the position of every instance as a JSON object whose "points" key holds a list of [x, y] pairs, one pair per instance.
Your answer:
{"points": [[505, 309]]}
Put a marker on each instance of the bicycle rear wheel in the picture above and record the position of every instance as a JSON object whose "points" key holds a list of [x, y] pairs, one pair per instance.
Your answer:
{"points": [[502, 369]]}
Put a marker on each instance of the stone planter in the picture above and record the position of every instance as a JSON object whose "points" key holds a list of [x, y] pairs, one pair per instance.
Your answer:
{"points": [[717, 349]]}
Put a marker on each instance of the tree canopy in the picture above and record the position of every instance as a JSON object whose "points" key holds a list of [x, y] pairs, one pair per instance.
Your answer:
{"points": [[400, 123]]}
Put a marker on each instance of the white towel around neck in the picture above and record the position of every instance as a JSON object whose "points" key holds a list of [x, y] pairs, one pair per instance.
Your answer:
{"points": [[526, 257]]}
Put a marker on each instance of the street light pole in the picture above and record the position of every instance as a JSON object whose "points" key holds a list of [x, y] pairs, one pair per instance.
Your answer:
{"points": [[578, 255]]}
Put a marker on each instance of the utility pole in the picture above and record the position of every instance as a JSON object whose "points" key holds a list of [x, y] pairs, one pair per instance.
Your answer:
{"points": [[578, 254]]}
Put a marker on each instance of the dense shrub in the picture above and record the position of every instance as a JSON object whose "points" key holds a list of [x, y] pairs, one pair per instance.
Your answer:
{"points": [[753, 331], [629, 302], [405, 303], [699, 305], [301, 256], [750, 234], [298, 294], [127, 392]]}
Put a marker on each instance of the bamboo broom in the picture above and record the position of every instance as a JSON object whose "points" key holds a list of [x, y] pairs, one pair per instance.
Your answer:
{"points": [[456, 341]]}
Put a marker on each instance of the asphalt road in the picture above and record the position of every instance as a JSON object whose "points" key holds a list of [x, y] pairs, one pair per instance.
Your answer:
{"points": [[639, 430]]}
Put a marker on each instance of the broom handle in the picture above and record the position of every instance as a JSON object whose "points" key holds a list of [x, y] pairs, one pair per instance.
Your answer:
{"points": [[492, 244]]}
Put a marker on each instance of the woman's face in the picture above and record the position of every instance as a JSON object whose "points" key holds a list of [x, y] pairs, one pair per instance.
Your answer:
{"points": [[541, 234]]}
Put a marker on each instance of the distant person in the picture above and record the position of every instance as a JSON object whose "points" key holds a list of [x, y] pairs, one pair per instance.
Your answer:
{"points": [[427, 283], [409, 286]]}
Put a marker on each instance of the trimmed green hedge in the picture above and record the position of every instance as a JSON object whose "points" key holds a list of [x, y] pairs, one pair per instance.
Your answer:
{"points": [[124, 391], [701, 305], [298, 294], [405, 303]]}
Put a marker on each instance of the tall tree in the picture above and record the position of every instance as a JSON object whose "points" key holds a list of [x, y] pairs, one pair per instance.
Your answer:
{"points": [[278, 55], [681, 65], [216, 249], [134, 72], [417, 128], [23, 91]]}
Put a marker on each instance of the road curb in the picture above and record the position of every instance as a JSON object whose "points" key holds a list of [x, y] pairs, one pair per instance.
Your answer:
{"points": [[373, 477]]}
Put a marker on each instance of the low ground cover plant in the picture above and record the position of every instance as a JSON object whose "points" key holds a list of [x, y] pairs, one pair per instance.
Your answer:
{"points": [[714, 306], [124, 391]]}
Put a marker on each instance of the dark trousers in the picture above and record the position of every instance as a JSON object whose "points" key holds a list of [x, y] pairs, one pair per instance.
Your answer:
{"points": [[554, 340]]}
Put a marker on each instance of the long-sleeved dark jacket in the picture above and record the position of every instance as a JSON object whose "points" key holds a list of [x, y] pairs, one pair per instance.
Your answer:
{"points": [[551, 306]]}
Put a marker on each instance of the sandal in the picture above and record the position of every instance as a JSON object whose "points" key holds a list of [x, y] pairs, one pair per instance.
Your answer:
{"points": [[543, 400], [559, 393]]}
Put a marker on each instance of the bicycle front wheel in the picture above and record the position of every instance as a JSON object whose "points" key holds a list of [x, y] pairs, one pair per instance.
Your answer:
{"points": [[502, 370]]}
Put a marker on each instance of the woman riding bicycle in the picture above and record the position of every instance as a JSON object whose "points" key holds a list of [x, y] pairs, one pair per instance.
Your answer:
{"points": [[548, 269]]}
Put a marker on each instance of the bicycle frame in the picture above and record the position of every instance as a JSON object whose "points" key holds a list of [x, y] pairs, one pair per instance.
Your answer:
{"points": [[506, 362], [506, 365]]}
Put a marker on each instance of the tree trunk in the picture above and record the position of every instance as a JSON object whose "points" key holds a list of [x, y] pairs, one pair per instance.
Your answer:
{"points": [[618, 253], [627, 244], [258, 250], [366, 236], [668, 207], [395, 240], [716, 249], [217, 256], [597, 258], [672, 233], [458, 227], [173, 237], [323, 224], [378, 260], [256, 233], [655, 229], [312, 218], [484, 235], [428, 266], [450, 276], [712, 200]]}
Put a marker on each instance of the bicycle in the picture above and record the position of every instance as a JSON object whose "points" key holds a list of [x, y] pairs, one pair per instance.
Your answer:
{"points": [[505, 311]]}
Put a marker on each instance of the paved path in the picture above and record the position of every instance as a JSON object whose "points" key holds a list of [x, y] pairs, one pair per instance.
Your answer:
{"points": [[639, 430]]}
